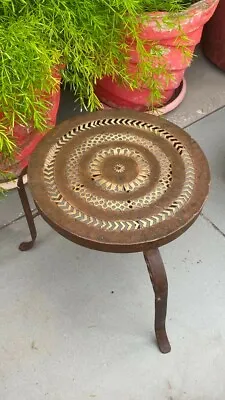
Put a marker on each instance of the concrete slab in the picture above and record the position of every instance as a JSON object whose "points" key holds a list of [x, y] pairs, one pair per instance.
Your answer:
{"points": [[205, 92], [11, 207], [78, 324], [210, 134]]}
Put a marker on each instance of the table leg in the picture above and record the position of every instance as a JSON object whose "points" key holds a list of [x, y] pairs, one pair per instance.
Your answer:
{"points": [[160, 285], [27, 211]]}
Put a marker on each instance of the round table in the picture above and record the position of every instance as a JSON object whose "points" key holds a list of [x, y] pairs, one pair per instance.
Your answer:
{"points": [[119, 181]]}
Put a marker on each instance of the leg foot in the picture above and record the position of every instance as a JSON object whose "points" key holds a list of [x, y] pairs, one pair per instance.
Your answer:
{"points": [[24, 246], [159, 282]]}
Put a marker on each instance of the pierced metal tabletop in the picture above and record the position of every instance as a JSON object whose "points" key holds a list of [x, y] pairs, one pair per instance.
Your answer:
{"points": [[119, 181]]}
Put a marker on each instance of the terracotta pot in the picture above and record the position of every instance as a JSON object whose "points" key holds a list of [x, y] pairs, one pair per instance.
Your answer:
{"points": [[191, 23], [213, 39], [26, 138], [173, 103]]}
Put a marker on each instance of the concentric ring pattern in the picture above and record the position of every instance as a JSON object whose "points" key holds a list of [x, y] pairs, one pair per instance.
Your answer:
{"points": [[119, 174]]}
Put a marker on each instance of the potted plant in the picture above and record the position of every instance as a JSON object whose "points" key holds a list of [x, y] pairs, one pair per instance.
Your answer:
{"points": [[29, 88], [97, 41], [169, 31], [35, 37]]}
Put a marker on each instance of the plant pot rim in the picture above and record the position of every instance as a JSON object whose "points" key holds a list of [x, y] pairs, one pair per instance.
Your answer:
{"points": [[199, 7], [173, 103]]}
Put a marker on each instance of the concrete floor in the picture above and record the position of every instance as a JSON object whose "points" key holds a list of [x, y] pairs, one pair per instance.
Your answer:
{"points": [[78, 324]]}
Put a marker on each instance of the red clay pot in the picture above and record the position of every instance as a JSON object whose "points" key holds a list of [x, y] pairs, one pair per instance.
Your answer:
{"points": [[26, 138], [213, 39], [154, 30]]}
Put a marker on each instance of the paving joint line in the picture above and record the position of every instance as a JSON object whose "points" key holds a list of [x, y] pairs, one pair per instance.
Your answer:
{"points": [[213, 225], [20, 216], [203, 117]]}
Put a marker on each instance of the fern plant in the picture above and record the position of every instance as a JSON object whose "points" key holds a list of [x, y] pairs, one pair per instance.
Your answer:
{"points": [[26, 63]]}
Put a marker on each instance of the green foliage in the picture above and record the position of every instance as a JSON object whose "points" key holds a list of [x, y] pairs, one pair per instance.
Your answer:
{"points": [[166, 5], [85, 35], [26, 62]]}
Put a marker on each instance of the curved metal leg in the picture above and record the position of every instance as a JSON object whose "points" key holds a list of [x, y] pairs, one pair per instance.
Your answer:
{"points": [[160, 285], [27, 211]]}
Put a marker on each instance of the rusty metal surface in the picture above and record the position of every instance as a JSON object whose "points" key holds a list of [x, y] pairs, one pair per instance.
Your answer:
{"points": [[24, 246], [158, 278], [119, 181]]}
